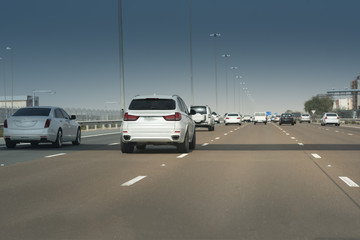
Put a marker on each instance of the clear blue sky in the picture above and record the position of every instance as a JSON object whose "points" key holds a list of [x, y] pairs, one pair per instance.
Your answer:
{"points": [[286, 50]]}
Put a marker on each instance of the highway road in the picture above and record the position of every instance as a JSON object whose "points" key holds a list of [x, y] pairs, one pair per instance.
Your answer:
{"points": [[241, 182]]}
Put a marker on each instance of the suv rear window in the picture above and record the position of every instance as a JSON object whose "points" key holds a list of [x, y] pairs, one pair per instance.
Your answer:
{"points": [[152, 104], [32, 112], [201, 110]]}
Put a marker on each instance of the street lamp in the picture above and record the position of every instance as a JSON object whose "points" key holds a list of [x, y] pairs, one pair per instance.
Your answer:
{"points": [[121, 56], [226, 56], [191, 60], [237, 78], [12, 77], [3, 73], [234, 68], [216, 35], [41, 91]]}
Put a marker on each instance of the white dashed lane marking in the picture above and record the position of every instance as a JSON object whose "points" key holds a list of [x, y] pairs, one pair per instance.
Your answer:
{"points": [[55, 155], [133, 181], [182, 155], [315, 155], [301, 144], [349, 182], [205, 144], [112, 144]]}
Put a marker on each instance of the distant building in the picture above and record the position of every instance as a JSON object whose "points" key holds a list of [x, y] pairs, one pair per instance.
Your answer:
{"points": [[18, 101], [343, 104], [355, 98]]}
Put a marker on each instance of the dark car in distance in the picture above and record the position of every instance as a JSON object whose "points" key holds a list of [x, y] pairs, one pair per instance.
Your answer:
{"points": [[287, 118]]}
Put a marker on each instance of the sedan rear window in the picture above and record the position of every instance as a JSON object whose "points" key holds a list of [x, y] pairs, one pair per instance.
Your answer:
{"points": [[233, 114], [32, 112], [152, 104], [201, 110], [331, 114]]}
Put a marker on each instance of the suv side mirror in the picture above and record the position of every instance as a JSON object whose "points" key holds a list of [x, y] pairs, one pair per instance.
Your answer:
{"points": [[192, 112], [73, 117]]}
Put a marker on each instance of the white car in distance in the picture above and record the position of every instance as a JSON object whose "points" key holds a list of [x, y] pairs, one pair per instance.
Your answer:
{"points": [[157, 120], [40, 125], [330, 118], [232, 118]]}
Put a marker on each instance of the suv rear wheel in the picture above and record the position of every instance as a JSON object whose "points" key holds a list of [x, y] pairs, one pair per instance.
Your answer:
{"points": [[127, 147], [193, 142], [184, 147]]}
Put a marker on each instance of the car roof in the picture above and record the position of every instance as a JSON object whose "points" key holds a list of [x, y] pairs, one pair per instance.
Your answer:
{"points": [[155, 96]]}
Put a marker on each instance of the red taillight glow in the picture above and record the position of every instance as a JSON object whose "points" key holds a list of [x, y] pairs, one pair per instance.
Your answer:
{"points": [[325, 117], [5, 124], [128, 117], [337, 117], [47, 123], [175, 117], [238, 118], [227, 118]]}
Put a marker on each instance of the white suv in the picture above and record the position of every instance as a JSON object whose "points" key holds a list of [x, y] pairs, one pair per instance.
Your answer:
{"points": [[330, 118], [157, 120], [203, 117]]}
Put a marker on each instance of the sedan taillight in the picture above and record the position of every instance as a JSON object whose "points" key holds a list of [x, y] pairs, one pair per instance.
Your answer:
{"points": [[5, 124], [174, 117], [47, 123], [128, 117]]}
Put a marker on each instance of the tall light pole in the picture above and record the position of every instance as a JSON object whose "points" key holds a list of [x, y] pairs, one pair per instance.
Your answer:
{"points": [[12, 77], [234, 68], [41, 91], [121, 57], [240, 101], [226, 56], [3, 77], [191, 62], [216, 35], [237, 78]]}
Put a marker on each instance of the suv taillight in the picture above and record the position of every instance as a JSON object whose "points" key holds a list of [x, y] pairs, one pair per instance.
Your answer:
{"points": [[47, 123], [5, 124], [128, 117], [175, 117], [337, 117]]}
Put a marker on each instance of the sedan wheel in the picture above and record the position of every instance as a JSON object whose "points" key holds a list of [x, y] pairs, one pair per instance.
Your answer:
{"points": [[59, 139], [78, 138]]}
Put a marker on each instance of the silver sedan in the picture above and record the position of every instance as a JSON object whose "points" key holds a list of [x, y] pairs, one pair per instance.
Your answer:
{"points": [[41, 124]]}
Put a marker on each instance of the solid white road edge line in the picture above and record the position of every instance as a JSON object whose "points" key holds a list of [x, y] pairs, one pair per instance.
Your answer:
{"points": [[182, 155], [55, 155], [112, 144], [315, 155], [132, 181], [101, 134], [349, 182]]}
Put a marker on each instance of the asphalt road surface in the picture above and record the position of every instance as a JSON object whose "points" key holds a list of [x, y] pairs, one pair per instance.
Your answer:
{"points": [[241, 182]]}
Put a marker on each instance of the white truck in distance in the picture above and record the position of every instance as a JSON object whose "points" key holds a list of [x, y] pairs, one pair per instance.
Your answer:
{"points": [[260, 117]]}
